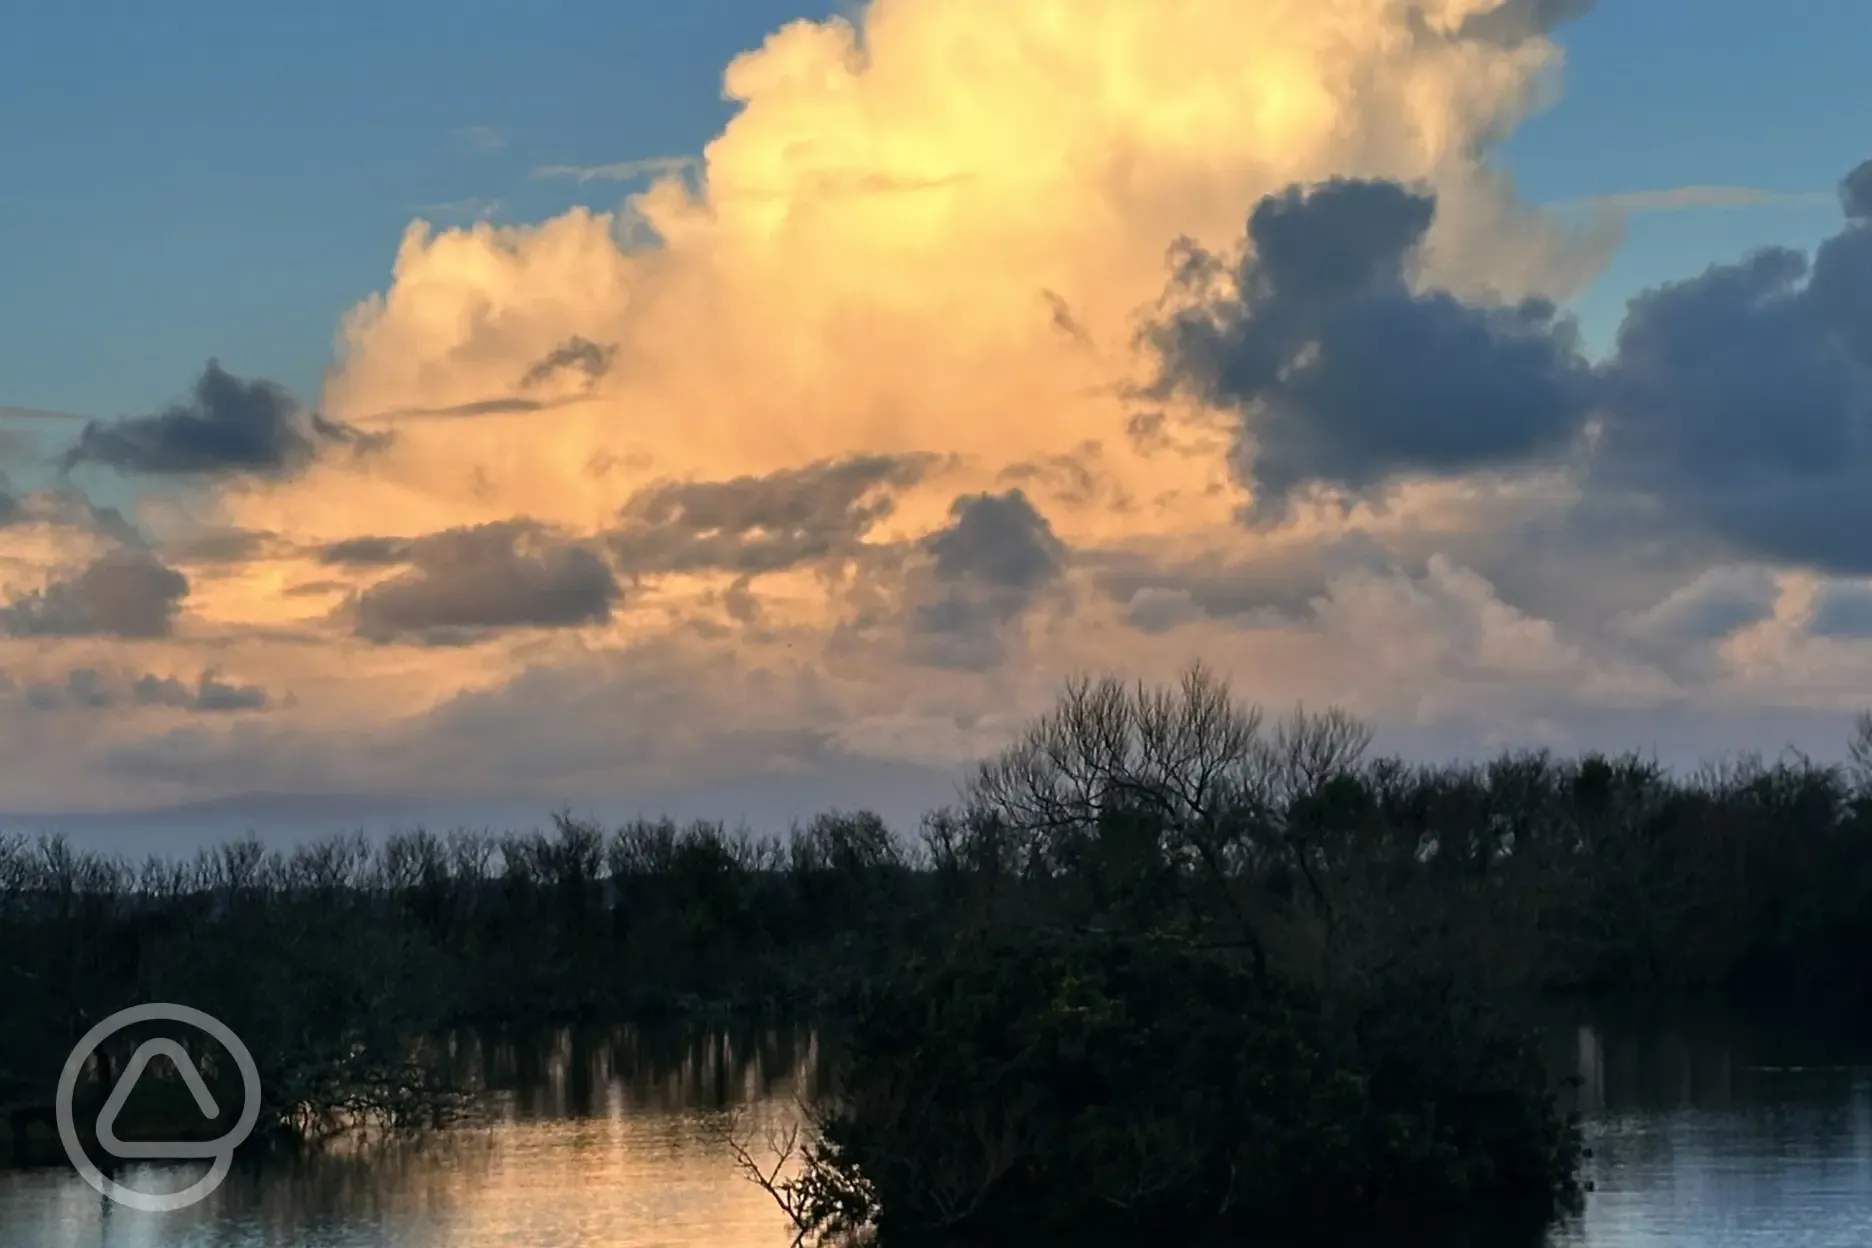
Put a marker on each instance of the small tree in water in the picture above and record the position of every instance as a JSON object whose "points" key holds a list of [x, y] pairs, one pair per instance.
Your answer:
{"points": [[1117, 1041]]}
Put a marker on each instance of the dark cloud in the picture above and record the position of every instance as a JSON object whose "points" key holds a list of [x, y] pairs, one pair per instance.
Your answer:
{"points": [[1741, 400], [1856, 193], [1517, 20], [993, 560], [480, 407], [209, 693], [1347, 378], [588, 357], [1063, 319], [85, 688], [1277, 586], [369, 552], [465, 583], [1736, 409], [761, 524], [125, 593], [225, 545], [88, 688], [997, 540], [1073, 477], [228, 425]]}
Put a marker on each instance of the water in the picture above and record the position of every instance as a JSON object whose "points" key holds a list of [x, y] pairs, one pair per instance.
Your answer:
{"points": [[1711, 1135]]}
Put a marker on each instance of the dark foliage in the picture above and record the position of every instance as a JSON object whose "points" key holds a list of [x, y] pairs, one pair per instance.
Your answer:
{"points": [[1166, 966]]}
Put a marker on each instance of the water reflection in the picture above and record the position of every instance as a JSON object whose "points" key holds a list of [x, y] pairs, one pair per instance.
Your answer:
{"points": [[1714, 1134], [614, 1138], [1704, 1133]]}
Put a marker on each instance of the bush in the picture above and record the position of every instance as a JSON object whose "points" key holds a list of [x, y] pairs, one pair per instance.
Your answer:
{"points": [[1055, 1088]]}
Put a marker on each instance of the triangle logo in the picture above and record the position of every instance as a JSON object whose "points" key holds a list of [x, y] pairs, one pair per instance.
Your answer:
{"points": [[178, 1057]]}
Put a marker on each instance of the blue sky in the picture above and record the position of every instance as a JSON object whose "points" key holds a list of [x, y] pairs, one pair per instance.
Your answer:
{"points": [[219, 178]]}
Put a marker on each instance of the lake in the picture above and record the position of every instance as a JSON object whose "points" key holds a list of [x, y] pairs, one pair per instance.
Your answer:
{"points": [[1703, 1133]]}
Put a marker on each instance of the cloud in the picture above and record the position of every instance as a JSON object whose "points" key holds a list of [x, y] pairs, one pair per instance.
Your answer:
{"points": [[228, 425], [843, 444], [1346, 377], [465, 583], [758, 524], [997, 540], [125, 593], [577, 353], [1856, 193], [1686, 198], [89, 688], [1741, 399], [8, 412], [1511, 22], [620, 171], [1843, 612], [472, 207], [986, 568]]}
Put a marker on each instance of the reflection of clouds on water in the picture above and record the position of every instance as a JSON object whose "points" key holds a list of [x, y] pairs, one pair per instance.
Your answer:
{"points": [[1703, 1136], [1721, 1138], [597, 1139]]}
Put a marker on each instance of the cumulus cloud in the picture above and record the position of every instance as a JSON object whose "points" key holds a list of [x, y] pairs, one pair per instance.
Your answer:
{"points": [[227, 425], [756, 524], [1742, 400], [94, 689], [462, 584], [842, 441], [1345, 377], [124, 593]]}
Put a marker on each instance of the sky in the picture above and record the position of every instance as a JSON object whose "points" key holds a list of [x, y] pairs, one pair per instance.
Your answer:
{"points": [[743, 408]]}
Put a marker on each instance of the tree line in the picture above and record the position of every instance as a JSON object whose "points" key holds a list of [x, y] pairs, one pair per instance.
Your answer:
{"points": [[1153, 889]]}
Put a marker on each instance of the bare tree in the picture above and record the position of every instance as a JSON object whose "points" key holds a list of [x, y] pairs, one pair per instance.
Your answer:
{"points": [[1859, 753], [1189, 757]]}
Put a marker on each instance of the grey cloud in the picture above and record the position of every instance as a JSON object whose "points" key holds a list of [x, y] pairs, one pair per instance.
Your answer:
{"points": [[1072, 476], [1844, 612], [125, 593], [1856, 193], [1276, 586], [1344, 376], [228, 425], [226, 545], [1736, 408], [88, 688], [209, 693], [1741, 399], [1513, 21], [761, 524], [1677, 633], [992, 561], [85, 688], [588, 357], [1157, 610], [367, 552], [465, 583], [998, 540], [67, 507]]}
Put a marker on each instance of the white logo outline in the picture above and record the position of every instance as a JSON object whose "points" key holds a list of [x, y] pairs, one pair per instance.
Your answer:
{"points": [[221, 1151]]}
